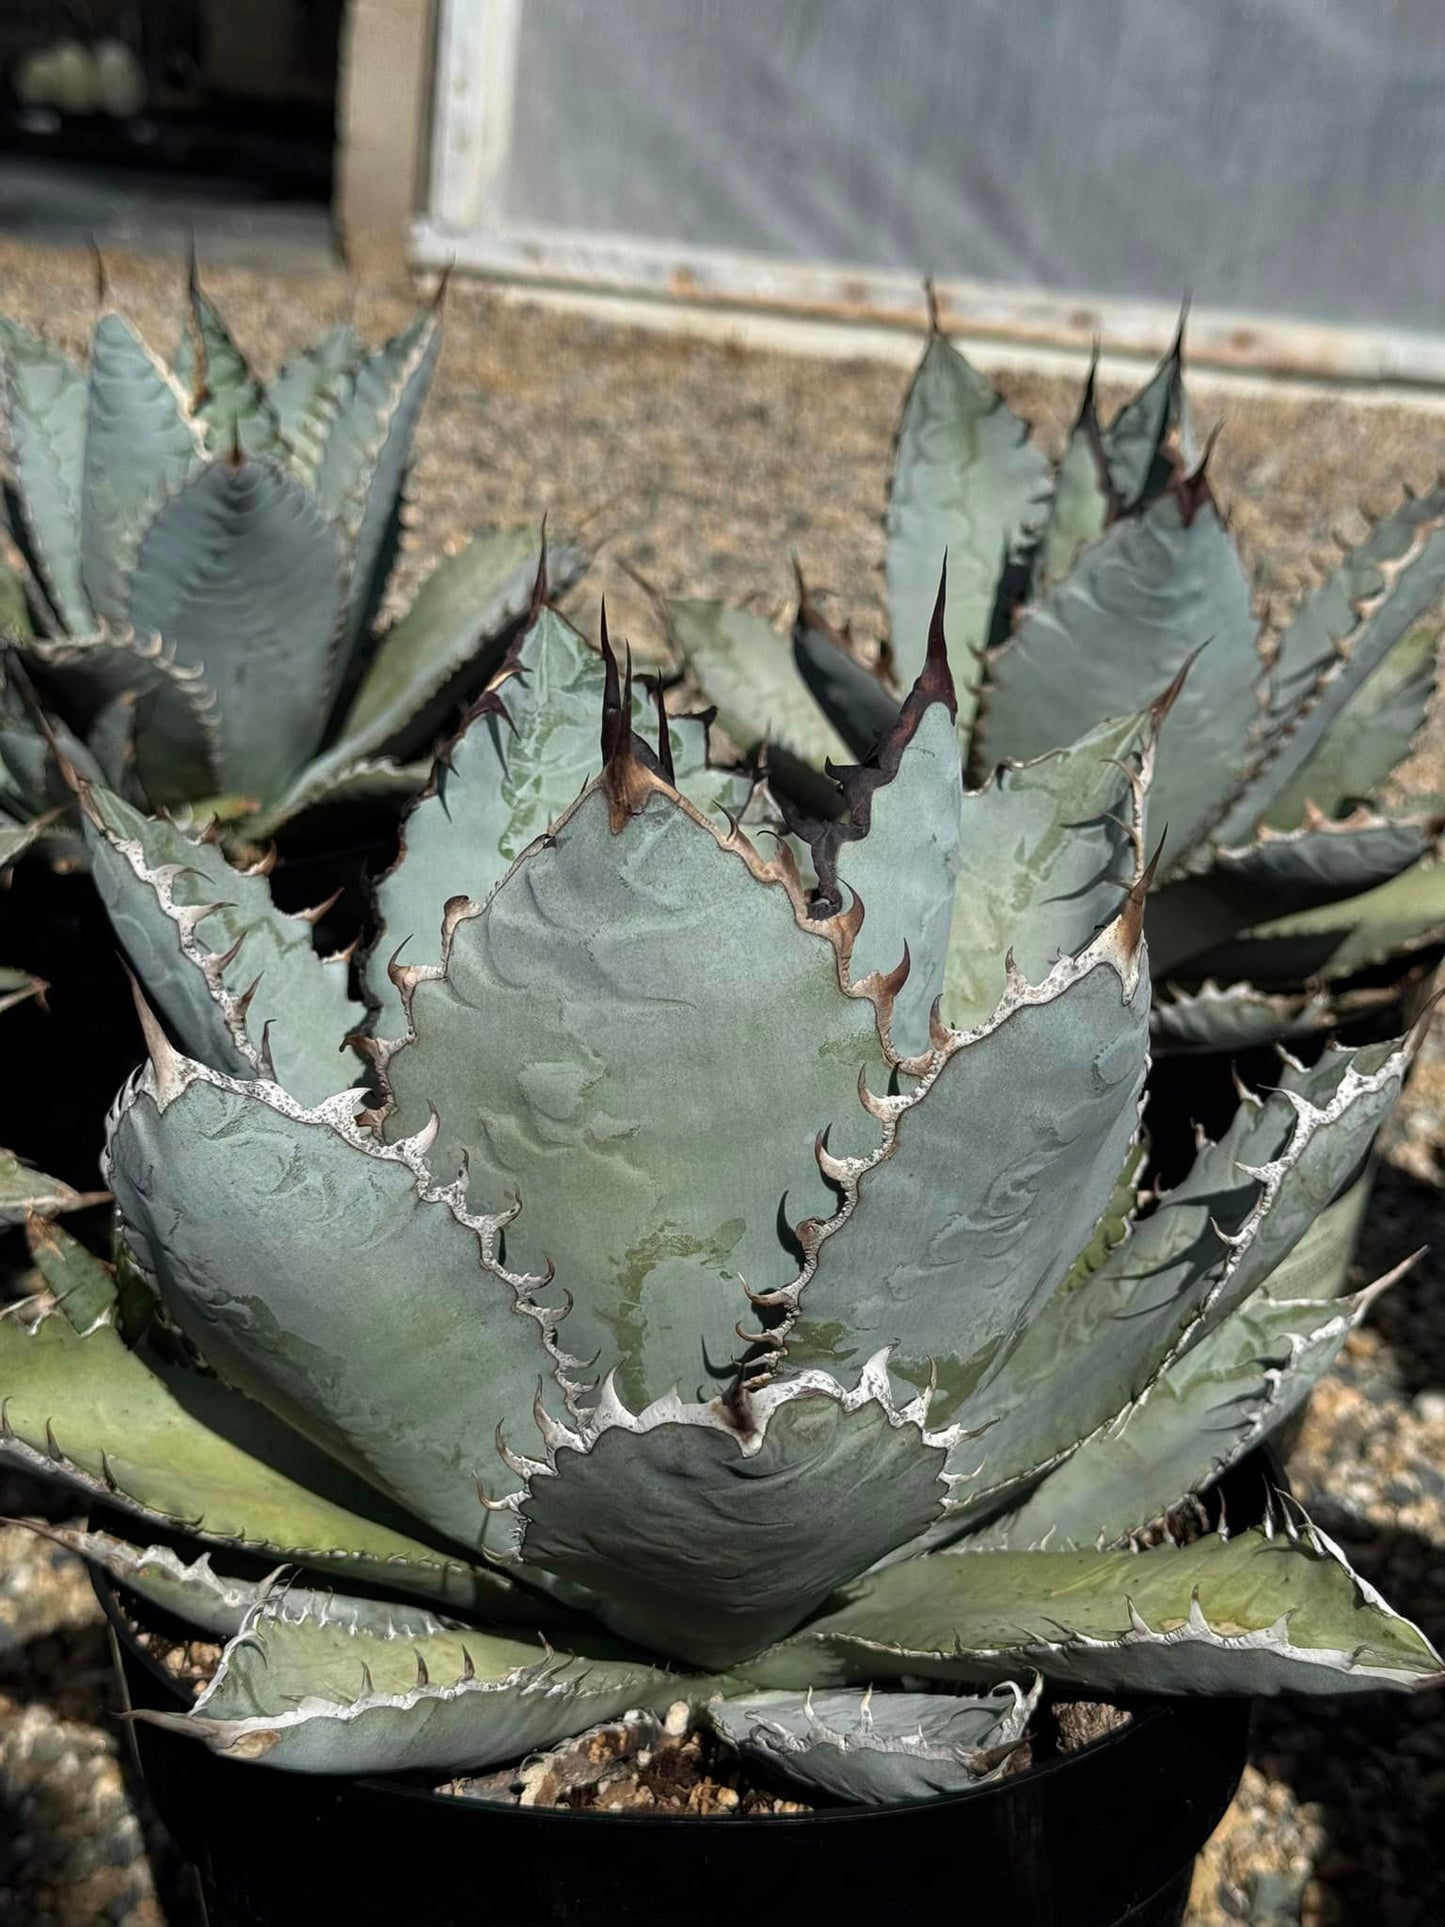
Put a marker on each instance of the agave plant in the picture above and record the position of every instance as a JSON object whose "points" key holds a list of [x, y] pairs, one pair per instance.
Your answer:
{"points": [[729, 1287], [1284, 876], [198, 561]]}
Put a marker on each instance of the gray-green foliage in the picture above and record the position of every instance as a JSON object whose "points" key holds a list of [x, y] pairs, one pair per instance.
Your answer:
{"points": [[197, 560], [1081, 596], [663, 1306]]}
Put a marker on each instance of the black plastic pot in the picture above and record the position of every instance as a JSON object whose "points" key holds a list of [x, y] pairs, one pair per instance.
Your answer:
{"points": [[1104, 1837], [1099, 1838]]}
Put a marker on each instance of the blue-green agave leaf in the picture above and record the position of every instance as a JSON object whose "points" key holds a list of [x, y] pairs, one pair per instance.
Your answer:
{"points": [[1094, 1351], [528, 747], [896, 850], [1135, 442], [1262, 1612], [1158, 592], [239, 980], [283, 1240], [15, 840], [17, 986], [942, 1246], [637, 937], [1323, 862], [367, 454], [142, 445], [876, 1749], [968, 487], [1318, 1267], [707, 1530], [16, 618], [45, 409], [325, 785], [1235, 1017], [745, 669], [82, 1285], [241, 576], [1048, 851], [1199, 1417], [1085, 500], [220, 1600], [225, 395], [1341, 637], [173, 749], [853, 696], [1368, 738], [305, 1686], [459, 622], [309, 392], [1334, 941], [111, 740], [184, 1453], [25, 1191]]}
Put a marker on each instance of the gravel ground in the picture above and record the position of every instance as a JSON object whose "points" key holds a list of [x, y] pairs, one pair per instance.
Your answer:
{"points": [[708, 467]]}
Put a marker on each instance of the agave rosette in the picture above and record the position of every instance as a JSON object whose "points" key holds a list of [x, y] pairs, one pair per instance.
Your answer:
{"points": [[1285, 879], [197, 563], [730, 1285]]}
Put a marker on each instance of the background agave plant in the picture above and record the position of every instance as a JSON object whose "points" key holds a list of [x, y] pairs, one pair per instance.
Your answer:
{"points": [[1078, 589], [688, 1288], [198, 561]]}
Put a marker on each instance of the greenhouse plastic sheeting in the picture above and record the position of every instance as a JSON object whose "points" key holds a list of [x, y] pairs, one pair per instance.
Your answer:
{"points": [[1280, 156]]}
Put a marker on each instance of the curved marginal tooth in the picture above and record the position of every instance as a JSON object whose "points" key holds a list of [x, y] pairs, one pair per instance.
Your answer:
{"points": [[555, 1436], [318, 910], [456, 910], [500, 1220], [882, 1108], [1234, 1240], [488, 1504], [226, 958], [240, 1005], [420, 1142], [517, 1462], [187, 917], [873, 1380], [837, 1170], [167, 1066], [610, 1409]]}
